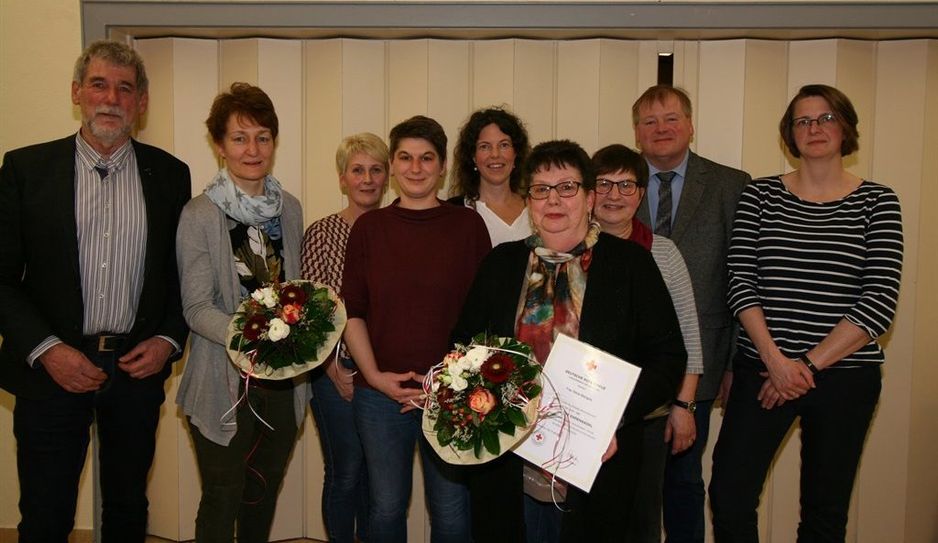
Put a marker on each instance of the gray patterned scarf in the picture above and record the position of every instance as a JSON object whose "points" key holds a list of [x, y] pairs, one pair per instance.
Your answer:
{"points": [[261, 211]]}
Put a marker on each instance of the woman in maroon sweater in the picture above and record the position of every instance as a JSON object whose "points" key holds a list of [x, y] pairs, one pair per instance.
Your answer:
{"points": [[407, 270]]}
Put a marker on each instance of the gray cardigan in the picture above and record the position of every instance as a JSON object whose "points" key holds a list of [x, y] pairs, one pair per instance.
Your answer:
{"points": [[210, 296]]}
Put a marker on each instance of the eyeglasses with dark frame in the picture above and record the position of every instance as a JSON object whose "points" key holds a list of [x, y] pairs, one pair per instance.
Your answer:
{"points": [[803, 123], [565, 189], [626, 187]]}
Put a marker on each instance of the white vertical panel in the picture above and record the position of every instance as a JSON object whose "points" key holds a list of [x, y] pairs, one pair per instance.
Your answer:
{"points": [[407, 79], [922, 494], [280, 74], [237, 62], [898, 153], [493, 66], [719, 105], [364, 92], [363, 87], [764, 101], [578, 92], [194, 88], [156, 127], [323, 96], [687, 69], [856, 77], [713, 74], [618, 89], [811, 61], [647, 65], [195, 84], [324, 107], [448, 95], [535, 87]]}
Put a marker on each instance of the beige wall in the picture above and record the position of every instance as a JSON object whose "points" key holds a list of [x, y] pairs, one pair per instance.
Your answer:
{"points": [[325, 89]]}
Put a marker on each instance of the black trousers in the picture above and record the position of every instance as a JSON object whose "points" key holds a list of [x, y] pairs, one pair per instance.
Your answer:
{"points": [[241, 480], [52, 438], [496, 492], [835, 417]]}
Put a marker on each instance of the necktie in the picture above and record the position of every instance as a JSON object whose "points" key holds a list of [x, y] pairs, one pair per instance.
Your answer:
{"points": [[663, 218], [102, 171]]}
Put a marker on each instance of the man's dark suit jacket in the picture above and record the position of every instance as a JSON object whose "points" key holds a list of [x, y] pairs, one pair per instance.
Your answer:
{"points": [[40, 283], [701, 231]]}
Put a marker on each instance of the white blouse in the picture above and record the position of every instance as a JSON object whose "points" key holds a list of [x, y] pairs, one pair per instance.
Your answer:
{"points": [[499, 230]]}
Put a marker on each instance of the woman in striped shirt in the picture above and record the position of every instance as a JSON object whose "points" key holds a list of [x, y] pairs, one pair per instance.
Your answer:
{"points": [[814, 262]]}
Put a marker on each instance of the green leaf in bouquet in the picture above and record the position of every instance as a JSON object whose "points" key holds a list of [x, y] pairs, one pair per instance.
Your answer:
{"points": [[529, 372], [490, 440], [532, 390], [444, 434], [516, 416], [507, 428]]}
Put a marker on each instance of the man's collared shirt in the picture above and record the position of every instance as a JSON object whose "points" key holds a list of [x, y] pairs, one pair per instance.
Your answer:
{"points": [[111, 218]]}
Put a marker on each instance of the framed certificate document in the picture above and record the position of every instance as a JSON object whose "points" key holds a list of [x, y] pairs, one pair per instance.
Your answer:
{"points": [[585, 392]]}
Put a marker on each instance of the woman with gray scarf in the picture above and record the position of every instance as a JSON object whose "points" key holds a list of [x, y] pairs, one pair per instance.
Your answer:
{"points": [[242, 232]]}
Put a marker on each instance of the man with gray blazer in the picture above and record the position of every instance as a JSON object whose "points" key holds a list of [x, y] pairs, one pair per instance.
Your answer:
{"points": [[90, 313], [691, 200]]}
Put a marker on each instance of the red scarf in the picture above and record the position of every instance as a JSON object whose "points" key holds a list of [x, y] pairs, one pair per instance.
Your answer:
{"points": [[641, 234]]}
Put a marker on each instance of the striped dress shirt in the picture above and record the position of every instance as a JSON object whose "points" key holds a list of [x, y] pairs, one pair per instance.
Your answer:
{"points": [[111, 217]]}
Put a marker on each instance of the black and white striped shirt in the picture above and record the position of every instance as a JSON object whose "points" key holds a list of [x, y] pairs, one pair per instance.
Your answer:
{"points": [[809, 265]]}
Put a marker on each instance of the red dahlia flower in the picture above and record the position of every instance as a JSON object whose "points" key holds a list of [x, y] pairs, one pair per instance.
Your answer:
{"points": [[254, 327], [292, 294], [498, 368]]}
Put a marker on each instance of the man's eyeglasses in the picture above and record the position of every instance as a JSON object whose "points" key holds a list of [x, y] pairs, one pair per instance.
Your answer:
{"points": [[626, 188], [565, 189], [803, 123]]}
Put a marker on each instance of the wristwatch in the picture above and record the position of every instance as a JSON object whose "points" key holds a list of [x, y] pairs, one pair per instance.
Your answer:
{"points": [[690, 406]]}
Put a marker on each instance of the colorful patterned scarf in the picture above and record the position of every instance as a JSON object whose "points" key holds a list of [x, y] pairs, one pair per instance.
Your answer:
{"points": [[553, 297]]}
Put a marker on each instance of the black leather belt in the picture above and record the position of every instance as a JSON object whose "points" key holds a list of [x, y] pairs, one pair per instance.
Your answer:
{"points": [[104, 343]]}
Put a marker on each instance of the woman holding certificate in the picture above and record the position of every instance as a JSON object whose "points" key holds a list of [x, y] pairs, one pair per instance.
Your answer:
{"points": [[569, 278]]}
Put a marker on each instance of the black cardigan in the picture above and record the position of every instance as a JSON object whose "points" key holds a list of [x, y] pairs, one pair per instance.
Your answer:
{"points": [[627, 312]]}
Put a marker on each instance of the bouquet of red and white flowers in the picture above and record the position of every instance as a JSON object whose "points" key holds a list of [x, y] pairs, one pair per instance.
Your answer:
{"points": [[285, 329], [482, 398]]}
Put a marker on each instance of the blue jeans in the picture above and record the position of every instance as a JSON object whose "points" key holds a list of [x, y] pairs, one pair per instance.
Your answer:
{"points": [[345, 488], [683, 489], [388, 439], [835, 417]]}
